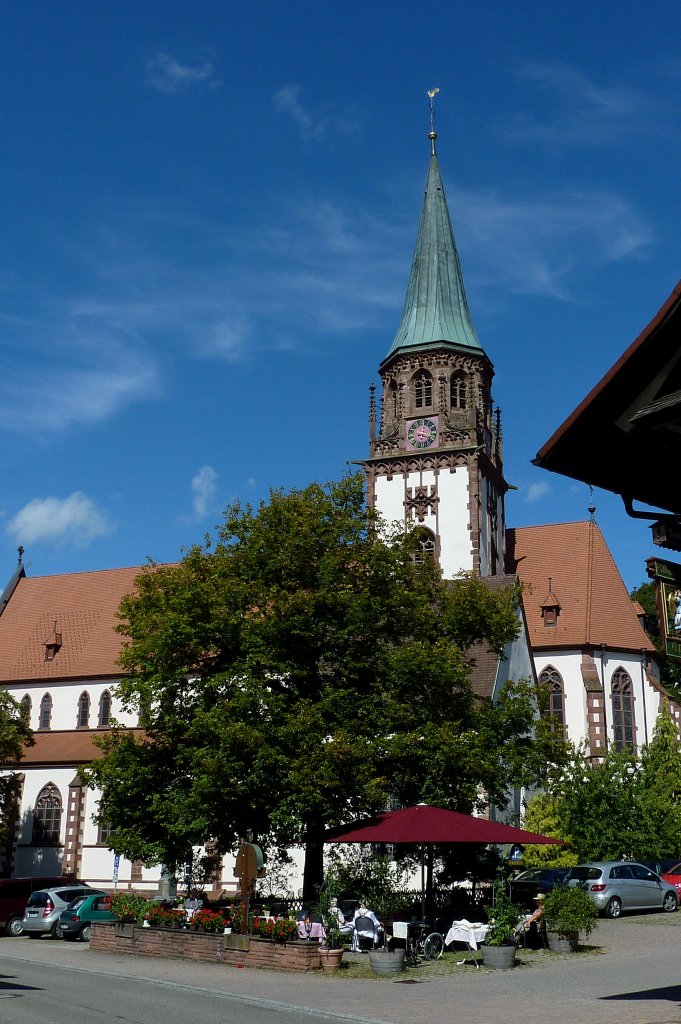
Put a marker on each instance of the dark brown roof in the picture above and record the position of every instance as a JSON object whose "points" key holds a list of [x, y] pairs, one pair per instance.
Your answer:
{"points": [[595, 607], [624, 436], [82, 608]]}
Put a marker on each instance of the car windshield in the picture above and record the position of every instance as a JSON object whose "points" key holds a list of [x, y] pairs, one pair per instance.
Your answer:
{"points": [[530, 876], [676, 870], [584, 873]]}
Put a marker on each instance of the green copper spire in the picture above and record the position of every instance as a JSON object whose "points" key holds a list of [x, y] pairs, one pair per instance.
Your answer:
{"points": [[436, 308]]}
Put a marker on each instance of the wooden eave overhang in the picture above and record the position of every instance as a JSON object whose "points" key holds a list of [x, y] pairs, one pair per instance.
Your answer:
{"points": [[625, 436]]}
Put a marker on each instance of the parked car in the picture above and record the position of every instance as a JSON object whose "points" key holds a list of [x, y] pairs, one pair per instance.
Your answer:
{"points": [[534, 882], [14, 895], [75, 921], [615, 886], [673, 876], [661, 867], [41, 916]]}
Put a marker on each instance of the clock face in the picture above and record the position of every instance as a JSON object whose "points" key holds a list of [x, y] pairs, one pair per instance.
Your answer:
{"points": [[421, 433]]}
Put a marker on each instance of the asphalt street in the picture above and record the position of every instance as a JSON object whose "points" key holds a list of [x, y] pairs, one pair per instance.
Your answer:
{"points": [[628, 975]]}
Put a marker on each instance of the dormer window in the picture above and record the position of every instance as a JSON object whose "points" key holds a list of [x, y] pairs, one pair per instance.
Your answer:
{"points": [[550, 608], [53, 644]]}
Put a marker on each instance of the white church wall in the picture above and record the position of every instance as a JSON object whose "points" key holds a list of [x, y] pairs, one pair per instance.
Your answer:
{"points": [[454, 518], [569, 665]]}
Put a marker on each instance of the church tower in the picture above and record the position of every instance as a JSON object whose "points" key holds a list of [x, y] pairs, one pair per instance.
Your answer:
{"points": [[435, 457]]}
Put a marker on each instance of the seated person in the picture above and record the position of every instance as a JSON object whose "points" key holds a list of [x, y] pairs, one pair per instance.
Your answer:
{"points": [[346, 927], [531, 924], [376, 932]]}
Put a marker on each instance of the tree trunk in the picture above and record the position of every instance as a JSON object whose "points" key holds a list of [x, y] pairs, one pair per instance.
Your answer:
{"points": [[313, 872]]}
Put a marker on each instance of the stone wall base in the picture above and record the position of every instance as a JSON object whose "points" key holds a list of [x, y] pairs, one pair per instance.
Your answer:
{"points": [[204, 946]]}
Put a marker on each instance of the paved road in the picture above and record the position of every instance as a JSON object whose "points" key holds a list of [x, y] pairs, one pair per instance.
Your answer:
{"points": [[633, 978]]}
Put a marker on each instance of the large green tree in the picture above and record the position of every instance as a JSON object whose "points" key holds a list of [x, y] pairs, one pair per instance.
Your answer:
{"points": [[14, 733], [297, 671], [627, 805]]}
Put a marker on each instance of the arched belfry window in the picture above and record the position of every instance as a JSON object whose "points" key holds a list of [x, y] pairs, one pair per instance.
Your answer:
{"points": [[83, 710], [457, 391], [423, 390], [45, 712], [552, 680], [47, 816], [104, 710], [425, 549], [26, 707], [623, 727], [392, 400]]}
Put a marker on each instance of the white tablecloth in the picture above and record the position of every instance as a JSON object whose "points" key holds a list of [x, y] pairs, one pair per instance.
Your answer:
{"points": [[466, 931]]}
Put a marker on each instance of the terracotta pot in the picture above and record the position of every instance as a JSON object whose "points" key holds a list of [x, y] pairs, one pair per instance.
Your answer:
{"points": [[331, 959]]}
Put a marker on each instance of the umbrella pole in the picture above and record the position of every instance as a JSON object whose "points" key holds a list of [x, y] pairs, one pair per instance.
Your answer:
{"points": [[423, 884]]}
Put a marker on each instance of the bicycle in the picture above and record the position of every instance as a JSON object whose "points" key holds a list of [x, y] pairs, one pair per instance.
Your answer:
{"points": [[422, 942]]}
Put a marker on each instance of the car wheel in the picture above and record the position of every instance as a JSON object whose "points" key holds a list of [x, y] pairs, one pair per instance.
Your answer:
{"points": [[85, 933], [433, 946], [56, 931], [614, 907], [669, 903], [15, 926]]}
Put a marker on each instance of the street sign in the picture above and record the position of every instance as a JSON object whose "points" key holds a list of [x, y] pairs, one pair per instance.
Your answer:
{"points": [[116, 864]]}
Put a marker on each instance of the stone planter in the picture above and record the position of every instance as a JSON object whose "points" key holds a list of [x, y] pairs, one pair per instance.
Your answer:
{"points": [[562, 943], [331, 959], [499, 958], [124, 929], [230, 950], [386, 961]]}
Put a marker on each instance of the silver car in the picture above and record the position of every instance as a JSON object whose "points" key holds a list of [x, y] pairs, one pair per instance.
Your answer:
{"points": [[620, 885], [41, 916]]}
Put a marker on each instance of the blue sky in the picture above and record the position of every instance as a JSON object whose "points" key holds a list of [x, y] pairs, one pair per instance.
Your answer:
{"points": [[209, 211]]}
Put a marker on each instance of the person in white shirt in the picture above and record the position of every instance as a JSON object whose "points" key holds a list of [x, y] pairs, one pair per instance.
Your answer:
{"points": [[365, 932], [346, 927]]}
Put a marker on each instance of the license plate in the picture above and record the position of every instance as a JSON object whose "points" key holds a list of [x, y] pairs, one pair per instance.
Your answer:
{"points": [[32, 913]]}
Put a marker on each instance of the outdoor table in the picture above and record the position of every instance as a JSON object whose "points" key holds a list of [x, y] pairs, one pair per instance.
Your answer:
{"points": [[469, 932], [316, 931]]}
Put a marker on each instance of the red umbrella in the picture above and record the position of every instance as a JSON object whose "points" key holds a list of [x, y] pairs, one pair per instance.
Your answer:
{"points": [[426, 824]]}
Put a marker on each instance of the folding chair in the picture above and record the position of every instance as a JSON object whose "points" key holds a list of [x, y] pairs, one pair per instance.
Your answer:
{"points": [[364, 935]]}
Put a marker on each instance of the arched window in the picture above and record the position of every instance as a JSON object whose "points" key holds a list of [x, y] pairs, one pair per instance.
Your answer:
{"points": [[47, 816], [426, 546], [45, 712], [392, 400], [26, 707], [555, 705], [423, 390], [457, 391], [622, 709], [104, 710], [83, 710]]}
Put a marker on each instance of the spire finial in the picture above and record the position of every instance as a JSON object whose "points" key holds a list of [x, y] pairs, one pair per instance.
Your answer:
{"points": [[592, 508], [21, 553], [432, 135]]}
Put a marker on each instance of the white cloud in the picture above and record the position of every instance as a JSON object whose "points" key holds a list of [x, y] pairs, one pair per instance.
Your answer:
{"points": [[167, 74], [537, 245], [204, 487], [537, 491], [287, 101], [66, 393], [582, 112], [74, 520]]}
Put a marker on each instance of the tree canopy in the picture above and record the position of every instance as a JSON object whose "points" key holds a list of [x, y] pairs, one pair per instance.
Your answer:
{"points": [[14, 733], [627, 806], [297, 671]]}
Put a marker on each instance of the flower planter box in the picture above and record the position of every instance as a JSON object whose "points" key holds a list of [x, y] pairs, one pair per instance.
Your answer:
{"points": [[233, 950]]}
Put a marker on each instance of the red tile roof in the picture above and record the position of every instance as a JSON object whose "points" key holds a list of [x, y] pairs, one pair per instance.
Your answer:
{"points": [[595, 607], [81, 607], [67, 747]]}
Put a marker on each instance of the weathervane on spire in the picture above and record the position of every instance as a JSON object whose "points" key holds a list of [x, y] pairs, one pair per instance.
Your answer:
{"points": [[432, 135]]}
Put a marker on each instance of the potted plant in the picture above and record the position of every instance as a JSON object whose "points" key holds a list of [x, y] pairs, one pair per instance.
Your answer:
{"points": [[568, 912], [331, 950], [499, 946]]}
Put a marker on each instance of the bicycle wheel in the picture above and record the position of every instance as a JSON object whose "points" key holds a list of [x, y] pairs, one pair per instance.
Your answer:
{"points": [[433, 946]]}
